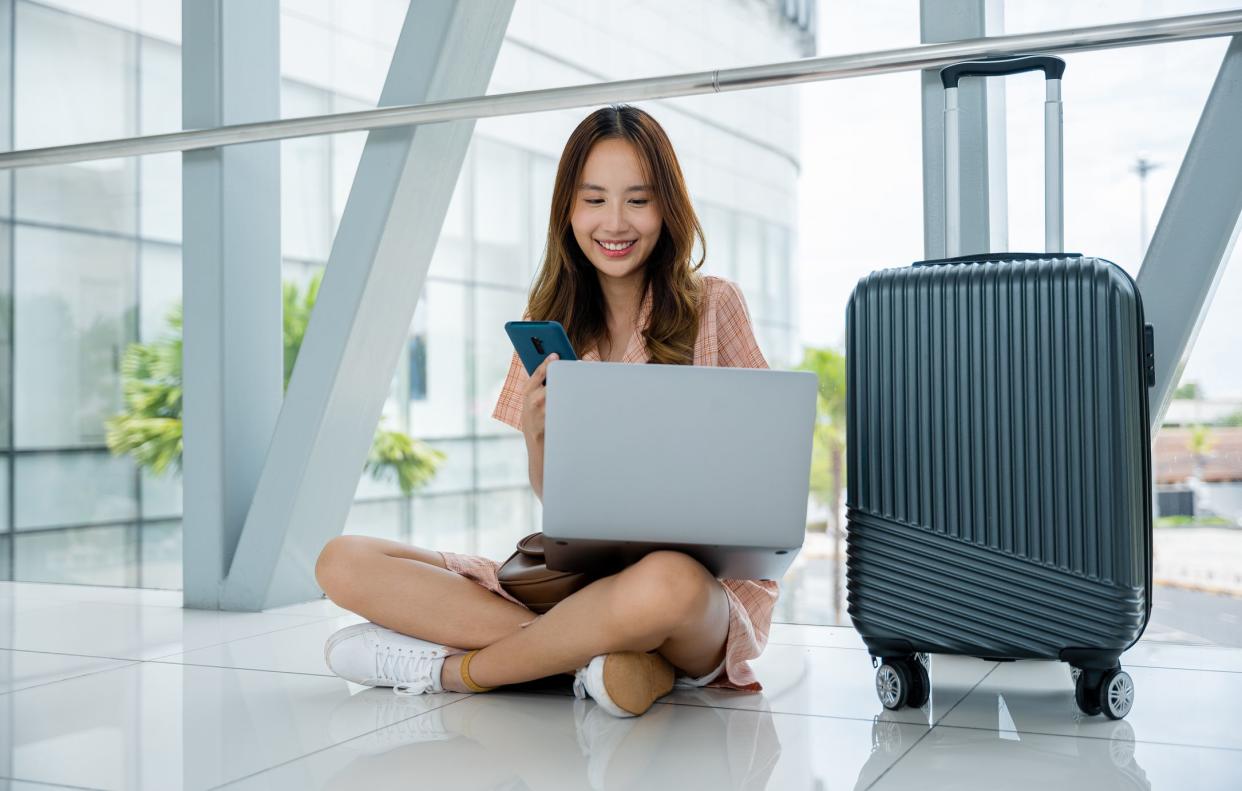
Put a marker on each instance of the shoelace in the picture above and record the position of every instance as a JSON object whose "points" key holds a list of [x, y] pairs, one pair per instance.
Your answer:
{"points": [[408, 671]]}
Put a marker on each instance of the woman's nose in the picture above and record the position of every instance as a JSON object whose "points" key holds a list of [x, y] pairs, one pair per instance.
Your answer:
{"points": [[615, 221]]}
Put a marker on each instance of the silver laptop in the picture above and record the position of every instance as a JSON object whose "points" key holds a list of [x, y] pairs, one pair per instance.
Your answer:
{"points": [[712, 462]]}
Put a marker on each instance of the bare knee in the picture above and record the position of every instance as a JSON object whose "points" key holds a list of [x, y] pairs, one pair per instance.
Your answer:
{"points": [[663, 590], [337, 565]]}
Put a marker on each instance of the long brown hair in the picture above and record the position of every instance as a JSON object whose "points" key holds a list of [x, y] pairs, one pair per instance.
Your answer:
{"points": [[567, 288]]}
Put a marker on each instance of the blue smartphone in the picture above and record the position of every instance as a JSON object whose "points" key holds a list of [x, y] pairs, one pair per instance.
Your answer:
{"points": [[535, 340]]}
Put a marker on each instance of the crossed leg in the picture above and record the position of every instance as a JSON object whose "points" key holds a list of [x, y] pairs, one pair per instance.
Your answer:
{"points": [[667, 602]]}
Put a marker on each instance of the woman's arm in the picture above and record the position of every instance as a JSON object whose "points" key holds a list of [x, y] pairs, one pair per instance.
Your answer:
{"points": [[534, 410], [534, 450]]}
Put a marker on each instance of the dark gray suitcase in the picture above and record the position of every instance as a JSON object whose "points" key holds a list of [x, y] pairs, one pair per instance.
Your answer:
{"points": [[999, 468]]}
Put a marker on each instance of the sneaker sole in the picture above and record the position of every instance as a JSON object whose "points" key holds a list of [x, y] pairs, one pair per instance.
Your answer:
{"points": [[339, 637]]}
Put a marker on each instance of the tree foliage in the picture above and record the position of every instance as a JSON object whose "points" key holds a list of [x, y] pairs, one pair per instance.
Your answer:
{"points": [[1189, 390], [149, 429], [828, 450]]}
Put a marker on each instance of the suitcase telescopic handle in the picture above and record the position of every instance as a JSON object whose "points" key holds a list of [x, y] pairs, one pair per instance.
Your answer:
{"points": [[1052, 67], [1054, 162]]}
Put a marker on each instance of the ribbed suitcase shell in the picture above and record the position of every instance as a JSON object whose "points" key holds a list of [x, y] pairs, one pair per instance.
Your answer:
{"points": [[999, 492]]}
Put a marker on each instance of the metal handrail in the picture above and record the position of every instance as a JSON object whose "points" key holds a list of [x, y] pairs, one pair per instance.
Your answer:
{"points": [[925, 56]]}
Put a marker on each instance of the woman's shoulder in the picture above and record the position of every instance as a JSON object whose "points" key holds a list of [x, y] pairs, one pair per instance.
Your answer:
{"points": [[721, 294]]}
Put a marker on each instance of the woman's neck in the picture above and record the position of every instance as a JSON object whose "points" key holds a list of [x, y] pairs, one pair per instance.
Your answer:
{"points": [[622, 300]]}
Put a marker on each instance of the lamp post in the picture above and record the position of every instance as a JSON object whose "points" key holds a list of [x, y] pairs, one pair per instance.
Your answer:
{"points": [[1142, 167]]}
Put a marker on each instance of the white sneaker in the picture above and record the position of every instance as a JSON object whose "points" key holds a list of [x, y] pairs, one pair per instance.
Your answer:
{"points": [[369, 654], [625, 683]]}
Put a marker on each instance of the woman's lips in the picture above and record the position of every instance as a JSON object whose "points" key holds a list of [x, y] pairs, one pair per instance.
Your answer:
{"points": [[614, 253]]}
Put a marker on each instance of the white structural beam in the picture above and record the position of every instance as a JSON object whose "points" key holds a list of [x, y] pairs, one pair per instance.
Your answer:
{"points": [[1197, 231], [374, 276], [232, 363], [981, 119]]}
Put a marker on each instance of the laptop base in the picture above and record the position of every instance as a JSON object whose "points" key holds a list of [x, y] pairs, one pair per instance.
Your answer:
{"points": [[603, 557]]}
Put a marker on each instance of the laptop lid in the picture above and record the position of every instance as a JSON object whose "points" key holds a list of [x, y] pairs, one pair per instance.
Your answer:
{"points": [[677, 454]]}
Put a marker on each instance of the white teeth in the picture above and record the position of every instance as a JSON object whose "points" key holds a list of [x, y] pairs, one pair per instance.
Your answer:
{"points": [[616, 245]]}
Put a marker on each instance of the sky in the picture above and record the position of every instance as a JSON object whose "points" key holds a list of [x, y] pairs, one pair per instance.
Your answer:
{"points": [[860, 192]]}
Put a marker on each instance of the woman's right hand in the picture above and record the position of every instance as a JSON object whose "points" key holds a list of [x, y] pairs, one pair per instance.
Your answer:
{"points": [[535, 401]]}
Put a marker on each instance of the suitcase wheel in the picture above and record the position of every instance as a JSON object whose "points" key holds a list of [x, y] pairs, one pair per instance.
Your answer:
{"points": [[902, 682], [1110, 693], [1117, 694]]}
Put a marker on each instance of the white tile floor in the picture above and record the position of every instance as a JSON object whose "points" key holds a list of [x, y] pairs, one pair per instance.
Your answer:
{"points": [[111, 688]]}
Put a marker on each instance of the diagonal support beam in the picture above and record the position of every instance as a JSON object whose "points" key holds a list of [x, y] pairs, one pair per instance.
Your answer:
{"points": [[1197, 231], [374, 276]]}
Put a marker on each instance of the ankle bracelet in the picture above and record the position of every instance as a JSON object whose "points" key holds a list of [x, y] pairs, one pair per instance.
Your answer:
{"points": [[465, 673]]}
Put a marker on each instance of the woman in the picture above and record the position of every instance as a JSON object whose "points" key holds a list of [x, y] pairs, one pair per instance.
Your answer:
{"points": [[618, 274]]}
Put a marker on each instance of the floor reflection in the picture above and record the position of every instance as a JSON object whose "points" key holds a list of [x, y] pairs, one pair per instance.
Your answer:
{"points": [[977, 758], [545, 741]]}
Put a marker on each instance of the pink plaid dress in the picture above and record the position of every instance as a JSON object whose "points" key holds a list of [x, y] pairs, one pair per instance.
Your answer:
{"points": [[725, 339]]}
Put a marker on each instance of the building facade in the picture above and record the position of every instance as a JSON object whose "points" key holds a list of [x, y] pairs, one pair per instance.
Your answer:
{"points": [[91, 262]]}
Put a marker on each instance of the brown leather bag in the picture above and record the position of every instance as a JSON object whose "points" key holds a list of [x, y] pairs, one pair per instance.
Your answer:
{"points": [[525, 577]]}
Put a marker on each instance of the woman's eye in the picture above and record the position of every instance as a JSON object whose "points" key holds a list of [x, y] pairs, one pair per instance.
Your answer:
{"points": [[595, 201], [639, 201]]}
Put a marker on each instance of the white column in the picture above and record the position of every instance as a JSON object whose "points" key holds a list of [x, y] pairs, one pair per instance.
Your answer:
{"points": [[232, 360]]}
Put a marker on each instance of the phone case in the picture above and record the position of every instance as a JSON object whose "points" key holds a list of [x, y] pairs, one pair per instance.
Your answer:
{"points": [[535, 340]]}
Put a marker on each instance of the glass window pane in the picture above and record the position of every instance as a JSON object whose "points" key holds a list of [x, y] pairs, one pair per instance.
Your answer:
{"points": [[443, 523], [492, 352], [383, 519], [159, 197], [161, 495], [443, 411], [161, 555], [74, 81], [6, 337], [504, 517], [500, 222], [75, 316], [160, 276], [451, 258], [306, 225], [4, 492], [160, 87], [542, 179], [456, 473], [85, 556], [73, 488], [503, 462], [88, 67], [159, 102], [159, 107], [776, 263], [718, 232], [369, 488], [749, 241]]}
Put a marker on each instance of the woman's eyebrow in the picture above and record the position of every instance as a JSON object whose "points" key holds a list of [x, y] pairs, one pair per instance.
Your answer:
{"points": [[635, 188]]}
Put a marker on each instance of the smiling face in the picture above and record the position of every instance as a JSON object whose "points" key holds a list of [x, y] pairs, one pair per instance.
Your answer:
{"points": [[615, 218]]}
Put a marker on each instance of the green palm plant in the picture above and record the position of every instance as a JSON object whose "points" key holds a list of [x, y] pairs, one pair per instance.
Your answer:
{"points": [[149, 429], [828, 450]]}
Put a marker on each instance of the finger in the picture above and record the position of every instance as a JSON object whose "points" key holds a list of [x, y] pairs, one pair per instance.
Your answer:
{"points": [[543, 366], [541, 373]]}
